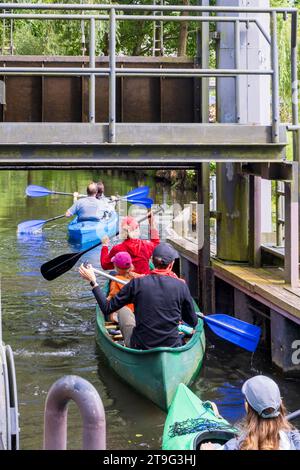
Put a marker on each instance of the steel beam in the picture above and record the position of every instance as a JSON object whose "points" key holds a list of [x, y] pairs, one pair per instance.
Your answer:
{"points": [[139, 155], [213, 135], [270, 171]]}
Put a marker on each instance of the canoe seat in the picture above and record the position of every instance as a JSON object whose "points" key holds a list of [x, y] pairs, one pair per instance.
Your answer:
{"points": [[215, 437], [111, 328]]}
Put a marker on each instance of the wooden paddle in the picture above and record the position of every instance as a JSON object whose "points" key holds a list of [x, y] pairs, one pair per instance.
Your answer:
{"points": [[63, 263]]}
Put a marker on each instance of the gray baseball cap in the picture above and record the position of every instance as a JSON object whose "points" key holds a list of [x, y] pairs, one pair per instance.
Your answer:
{"points": [[262, 393]]}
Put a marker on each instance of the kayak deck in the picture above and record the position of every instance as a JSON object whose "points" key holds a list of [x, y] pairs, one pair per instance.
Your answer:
{"points": [[191, 422], [90, 230]]}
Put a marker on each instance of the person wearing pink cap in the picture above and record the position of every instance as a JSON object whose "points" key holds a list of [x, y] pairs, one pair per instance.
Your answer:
{"points": [[123, 265], [139, 250]]}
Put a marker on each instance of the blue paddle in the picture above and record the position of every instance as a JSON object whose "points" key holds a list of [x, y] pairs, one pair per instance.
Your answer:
{"points": [[234, 330], [147, 201], [229, 328], [32, 226], [142, 191], [39, 191]]}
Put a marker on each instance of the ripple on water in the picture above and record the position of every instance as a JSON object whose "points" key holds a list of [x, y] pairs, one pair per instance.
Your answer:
{"points": [[25, 353]]}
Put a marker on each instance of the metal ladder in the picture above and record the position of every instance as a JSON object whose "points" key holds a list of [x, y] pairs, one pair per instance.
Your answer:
{"points": [[158, 32], [7, 47]]}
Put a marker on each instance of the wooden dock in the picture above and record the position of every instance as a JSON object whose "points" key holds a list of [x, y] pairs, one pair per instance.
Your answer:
{"points": [[257, 295]]}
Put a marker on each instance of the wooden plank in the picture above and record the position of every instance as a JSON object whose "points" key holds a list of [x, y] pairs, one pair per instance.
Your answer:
{"points": [[293, 290], [268, 283]]}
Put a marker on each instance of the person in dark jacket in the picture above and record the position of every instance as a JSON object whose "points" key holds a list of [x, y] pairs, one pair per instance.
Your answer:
{"points": [[161, 300]]}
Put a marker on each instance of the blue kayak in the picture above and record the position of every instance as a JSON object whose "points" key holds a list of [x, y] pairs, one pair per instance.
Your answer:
{"points": [[93, 231]]}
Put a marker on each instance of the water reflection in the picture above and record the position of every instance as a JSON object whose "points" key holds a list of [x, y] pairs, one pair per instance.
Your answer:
{"points": [[50, 325]]}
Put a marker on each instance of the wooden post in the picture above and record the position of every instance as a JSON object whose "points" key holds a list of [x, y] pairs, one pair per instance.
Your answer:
{"points": [[255, 221], [291, 252]]}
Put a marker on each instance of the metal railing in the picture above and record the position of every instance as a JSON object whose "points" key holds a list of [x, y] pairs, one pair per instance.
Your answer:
{"points": [[115, 13]]}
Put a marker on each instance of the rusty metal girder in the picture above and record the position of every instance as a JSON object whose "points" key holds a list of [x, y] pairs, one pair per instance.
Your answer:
{"points": [[140, 155], [279, 171]]}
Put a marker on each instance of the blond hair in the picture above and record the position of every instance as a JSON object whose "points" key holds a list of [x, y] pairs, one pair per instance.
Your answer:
{"points": [[263, 433]]}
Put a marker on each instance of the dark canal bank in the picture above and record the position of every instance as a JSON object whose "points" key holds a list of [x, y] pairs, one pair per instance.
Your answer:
{"points": [[50, 325]]}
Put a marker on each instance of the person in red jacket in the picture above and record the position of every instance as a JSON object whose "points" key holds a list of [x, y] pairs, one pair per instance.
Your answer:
{"points": [[139, 250]]}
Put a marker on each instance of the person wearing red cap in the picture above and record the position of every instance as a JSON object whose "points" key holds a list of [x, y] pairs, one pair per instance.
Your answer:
{"points": [[139, 250]]}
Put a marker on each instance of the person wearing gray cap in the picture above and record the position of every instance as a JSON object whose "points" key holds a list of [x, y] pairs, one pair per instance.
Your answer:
{"points": [[160, 299], [266, 426]]}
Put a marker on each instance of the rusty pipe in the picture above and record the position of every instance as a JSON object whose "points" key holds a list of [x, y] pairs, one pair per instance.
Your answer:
{"points": [[91, 408]]}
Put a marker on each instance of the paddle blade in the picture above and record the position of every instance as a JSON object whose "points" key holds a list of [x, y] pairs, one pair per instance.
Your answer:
{"points": [[147, 201], [37, 191], [59, 265], [30, 226], [143, 191], [234, 330]]}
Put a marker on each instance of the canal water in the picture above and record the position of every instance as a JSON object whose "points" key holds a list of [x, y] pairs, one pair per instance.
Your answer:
{"points": [[51, 325]]}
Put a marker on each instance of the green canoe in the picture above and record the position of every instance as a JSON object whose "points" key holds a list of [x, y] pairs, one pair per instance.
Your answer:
{"points": [[157, 372], [191, 422]]}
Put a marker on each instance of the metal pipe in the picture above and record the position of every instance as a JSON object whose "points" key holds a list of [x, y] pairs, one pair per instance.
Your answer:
{"points": [[67, 16], [262, 30], [293, 128], [200, 19], [0, 312], [48, 16], [92, 83], [106, 7], [65, 71], [275, 79], [293, 415], [207, 72], [112, 76], [295, 96], [56, 413], [237, 43], [129, 71], [294, 70]]}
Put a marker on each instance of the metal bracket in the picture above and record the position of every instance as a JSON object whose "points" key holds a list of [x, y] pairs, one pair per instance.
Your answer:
{"points": [[215, 35]]}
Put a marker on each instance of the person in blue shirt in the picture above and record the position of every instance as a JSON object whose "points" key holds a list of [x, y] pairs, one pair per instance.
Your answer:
{"points": [[90, 208]]}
